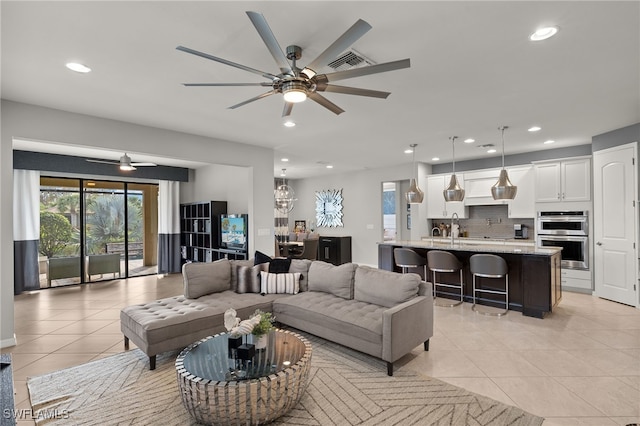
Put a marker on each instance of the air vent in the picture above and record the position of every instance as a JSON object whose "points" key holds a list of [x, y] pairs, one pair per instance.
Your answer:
{"points": [[351, 59]]}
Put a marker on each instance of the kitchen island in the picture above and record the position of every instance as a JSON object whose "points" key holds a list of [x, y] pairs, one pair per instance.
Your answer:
{"points": [[534, 272]]}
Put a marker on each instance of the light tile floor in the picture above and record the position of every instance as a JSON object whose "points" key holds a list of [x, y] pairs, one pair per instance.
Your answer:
{"points": [[578, 366]]}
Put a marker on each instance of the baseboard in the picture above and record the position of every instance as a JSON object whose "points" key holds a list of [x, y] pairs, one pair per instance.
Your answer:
{"points": [[578, 290], [8, 342]]}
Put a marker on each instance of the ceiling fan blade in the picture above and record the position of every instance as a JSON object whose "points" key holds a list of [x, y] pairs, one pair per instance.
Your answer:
{"points": [[270, 41], [356, 31], [224, 61], [144, 164], [264, 95], [352, 91], [226, 84], [372, 69], [102, 161], [288, 107], [325, 103]]}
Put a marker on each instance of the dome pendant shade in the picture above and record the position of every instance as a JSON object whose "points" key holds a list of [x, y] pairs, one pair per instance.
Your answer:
{"points": [[454, 192], [414, 195], [504, 189]]}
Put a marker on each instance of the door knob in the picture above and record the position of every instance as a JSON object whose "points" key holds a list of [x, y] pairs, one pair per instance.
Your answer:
{"points": [[599, 243]]}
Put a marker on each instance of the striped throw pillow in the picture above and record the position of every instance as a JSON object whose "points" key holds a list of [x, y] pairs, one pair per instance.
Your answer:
{"points": [[279, 283]]}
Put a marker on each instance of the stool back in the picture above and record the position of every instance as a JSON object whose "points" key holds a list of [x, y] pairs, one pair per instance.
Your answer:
{"points": [[443, 261], [488, 265], [405, 257]]}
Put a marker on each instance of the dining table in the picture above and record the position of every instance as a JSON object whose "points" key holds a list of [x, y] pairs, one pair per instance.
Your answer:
{"points": [[285, 247]]}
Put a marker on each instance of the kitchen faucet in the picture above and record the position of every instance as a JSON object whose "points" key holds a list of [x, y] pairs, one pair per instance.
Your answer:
{"points": [[435, 228], [457, 221]]}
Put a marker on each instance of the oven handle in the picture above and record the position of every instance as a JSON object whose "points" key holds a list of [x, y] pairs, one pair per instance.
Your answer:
{"points": [[562, 238]]}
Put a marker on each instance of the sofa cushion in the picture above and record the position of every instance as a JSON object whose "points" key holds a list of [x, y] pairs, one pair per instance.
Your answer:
{"points": [[337, 280], [351, 317], [206, 278], [279, 283], [249, 278], [302, 266], [384, 288]]}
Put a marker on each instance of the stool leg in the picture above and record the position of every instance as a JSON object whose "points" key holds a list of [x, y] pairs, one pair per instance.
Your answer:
{"points": [[473, 307], [461, 287]]}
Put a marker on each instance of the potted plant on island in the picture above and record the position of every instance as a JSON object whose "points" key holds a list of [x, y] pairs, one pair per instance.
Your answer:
{"points": [[262, 328]]}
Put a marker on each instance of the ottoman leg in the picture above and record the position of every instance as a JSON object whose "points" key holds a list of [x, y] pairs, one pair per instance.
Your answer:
{"points": [[126, 343], [152, 362]]}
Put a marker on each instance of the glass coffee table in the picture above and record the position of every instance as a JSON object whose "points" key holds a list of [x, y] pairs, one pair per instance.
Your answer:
{"points": [[218, 388]]}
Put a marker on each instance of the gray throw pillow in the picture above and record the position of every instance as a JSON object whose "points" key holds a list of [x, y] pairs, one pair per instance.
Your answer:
{"points": [[206, 278], [249, 278], [337, 280], [302, 266], [384, 288], [235, 265]]}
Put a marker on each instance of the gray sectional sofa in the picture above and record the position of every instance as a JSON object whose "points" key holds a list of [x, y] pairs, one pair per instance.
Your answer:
{"points": [[381, 313]]}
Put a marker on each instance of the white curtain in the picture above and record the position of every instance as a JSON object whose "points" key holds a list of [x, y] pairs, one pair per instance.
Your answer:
{"points": [[26, 229], [169, 227]]}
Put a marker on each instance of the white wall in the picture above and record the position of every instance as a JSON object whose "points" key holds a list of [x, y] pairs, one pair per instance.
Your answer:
{"points": [[362, 206], [44, 124], [220, 183]]}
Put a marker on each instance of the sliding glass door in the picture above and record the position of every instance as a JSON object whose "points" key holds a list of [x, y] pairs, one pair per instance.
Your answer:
{"points": [[107, 231]]}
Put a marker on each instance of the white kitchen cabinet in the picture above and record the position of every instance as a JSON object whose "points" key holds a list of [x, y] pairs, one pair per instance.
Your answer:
{"points": [[437, 207], [477, 186], [523, 206], [566, 180]]}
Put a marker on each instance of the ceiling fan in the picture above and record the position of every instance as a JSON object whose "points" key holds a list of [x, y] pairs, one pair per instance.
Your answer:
{"points": [[297, 84], [124, 163]]}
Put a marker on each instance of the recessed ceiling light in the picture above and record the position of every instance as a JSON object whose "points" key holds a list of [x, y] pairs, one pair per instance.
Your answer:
{"points": [[435, 159], [408, 151], [491, 151], [534, 128], [469, 140], [289, 123], [548, 142], [543, 33], [329, 166], [284, 159], [75, 66]]}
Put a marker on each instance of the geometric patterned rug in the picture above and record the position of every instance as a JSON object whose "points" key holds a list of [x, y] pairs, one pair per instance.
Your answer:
{"points": [[346, 388]]}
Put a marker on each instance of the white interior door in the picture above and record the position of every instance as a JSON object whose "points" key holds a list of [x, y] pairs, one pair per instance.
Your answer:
{"points": [[615, 220]]}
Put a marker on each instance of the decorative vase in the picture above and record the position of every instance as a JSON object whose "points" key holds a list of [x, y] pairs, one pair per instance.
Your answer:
{"points": [[260, 341]]}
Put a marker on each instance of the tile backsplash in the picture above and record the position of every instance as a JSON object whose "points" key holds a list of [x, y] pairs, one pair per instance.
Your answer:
{"points": [[489, 221]]}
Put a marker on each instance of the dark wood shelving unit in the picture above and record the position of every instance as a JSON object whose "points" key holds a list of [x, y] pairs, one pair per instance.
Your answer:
{"points": [[199, 233]]}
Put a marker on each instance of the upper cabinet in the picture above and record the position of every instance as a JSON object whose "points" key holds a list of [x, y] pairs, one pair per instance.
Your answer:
{"points": [[477, 187], [523, 206], [566, 180], [437, 208]]}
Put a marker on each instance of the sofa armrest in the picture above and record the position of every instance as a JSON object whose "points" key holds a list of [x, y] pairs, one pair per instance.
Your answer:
{"points": [[406, 326]]}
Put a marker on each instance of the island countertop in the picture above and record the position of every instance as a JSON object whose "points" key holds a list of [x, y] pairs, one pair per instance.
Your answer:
{"points": [[534, 272], [479, 246]]}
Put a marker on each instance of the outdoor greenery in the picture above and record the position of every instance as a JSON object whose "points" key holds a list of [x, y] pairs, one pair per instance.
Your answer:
{"points": [[56, 233]]}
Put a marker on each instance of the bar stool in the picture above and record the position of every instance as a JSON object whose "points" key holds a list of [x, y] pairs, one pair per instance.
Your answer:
{"points": [[407, 258], [443, 261], [490, 266]]}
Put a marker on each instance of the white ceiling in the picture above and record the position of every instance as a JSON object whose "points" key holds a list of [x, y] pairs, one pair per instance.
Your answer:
{"points": [[472, 70]]}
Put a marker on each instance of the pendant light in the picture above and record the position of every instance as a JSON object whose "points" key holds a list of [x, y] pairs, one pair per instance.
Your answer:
{"points": [[414, 195], [503, 189], [284, 196], [454, 192]]}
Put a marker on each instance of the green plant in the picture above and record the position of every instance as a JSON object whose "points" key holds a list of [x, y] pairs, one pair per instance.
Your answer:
{"points": [[265, 325], [55, 233]]}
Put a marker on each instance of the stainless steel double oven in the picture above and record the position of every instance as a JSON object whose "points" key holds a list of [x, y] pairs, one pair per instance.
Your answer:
{"points": [[569, 230]]}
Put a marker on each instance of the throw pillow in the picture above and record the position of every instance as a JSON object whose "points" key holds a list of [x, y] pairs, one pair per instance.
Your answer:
{"points": [[384, 288], [279, 266], [279, 283], [328, 278], [249, 278], [261, 258], [202, 278]]}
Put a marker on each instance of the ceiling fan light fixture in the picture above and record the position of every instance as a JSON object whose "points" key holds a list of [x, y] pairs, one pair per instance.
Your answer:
{"points": [[294, 92], [127, 167]]}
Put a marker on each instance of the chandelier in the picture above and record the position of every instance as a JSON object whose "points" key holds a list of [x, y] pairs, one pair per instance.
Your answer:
{"points": [[284, 196]]}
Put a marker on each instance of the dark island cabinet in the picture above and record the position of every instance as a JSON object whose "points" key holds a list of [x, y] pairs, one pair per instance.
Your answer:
{"points": [[335, 250]]}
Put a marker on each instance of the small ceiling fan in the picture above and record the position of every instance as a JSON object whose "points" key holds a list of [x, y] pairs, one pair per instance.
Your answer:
{"points": [[297, 84], [124, 163]]}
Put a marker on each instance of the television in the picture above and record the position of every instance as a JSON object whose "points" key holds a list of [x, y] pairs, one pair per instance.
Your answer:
{"points": [[233, 231]]}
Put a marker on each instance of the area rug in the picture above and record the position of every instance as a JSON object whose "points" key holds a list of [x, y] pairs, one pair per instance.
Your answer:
{"points": [[345, 388]]}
